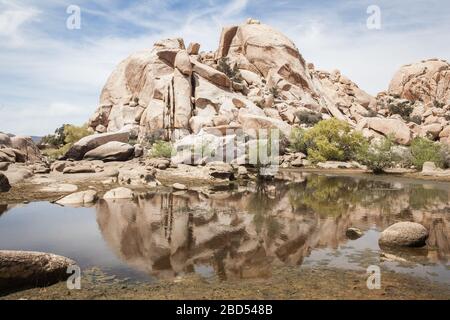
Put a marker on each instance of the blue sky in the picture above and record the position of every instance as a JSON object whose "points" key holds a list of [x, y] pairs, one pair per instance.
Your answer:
{"points": [[50, 75]]}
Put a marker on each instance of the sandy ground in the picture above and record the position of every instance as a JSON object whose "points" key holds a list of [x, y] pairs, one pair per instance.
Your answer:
{"points": [[285, 284]]}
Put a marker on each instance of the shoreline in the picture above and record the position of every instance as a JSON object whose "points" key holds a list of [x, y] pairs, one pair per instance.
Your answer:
{"points": [[286, 283]]}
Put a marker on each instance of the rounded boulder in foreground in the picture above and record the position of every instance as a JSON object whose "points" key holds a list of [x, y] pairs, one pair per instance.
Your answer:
{"points": [[404, 234]]}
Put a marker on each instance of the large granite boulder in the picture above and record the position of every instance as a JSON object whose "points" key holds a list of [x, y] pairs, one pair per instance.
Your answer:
{"points": [[31, 269], [404, 234], [111, 151], [86, 144], [428, 81]]}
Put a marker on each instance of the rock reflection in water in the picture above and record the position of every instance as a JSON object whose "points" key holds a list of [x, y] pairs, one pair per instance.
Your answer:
{"points": [[241, 234]]}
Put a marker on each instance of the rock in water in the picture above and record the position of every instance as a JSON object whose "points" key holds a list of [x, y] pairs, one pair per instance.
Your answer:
{"points": [[4, 183], [79, 198], [111, 151], [404, 234], [31, 269], [353, 233]]}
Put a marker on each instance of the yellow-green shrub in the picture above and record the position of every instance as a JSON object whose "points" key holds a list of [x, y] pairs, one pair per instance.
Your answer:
{"points": [[161, 149], [329, 140]]}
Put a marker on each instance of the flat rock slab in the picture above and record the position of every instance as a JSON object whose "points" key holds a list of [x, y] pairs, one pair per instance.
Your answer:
{"points": [[31, 269]]}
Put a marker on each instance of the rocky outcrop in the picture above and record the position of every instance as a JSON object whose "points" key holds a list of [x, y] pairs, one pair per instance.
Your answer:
{"points": [[18, 149], [171, 92], [404, 234], [31, 269], [427, 81], [256, 79]]}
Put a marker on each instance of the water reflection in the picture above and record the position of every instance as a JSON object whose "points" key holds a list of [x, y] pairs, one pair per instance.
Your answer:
{"points": [[240, 234]]}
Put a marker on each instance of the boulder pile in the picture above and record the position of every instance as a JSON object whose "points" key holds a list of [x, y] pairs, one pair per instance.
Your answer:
{"points": [[256, 79]]}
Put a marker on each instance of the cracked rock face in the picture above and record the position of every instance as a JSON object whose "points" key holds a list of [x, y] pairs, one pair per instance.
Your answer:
{"points": [[427, 81]]}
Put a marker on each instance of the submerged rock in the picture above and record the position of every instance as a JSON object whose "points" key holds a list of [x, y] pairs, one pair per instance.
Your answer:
{"points": [[404, 234], [33, 269]]}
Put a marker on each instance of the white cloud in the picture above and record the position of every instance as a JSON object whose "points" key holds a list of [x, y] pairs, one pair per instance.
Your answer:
{"points": [[12, 17]]}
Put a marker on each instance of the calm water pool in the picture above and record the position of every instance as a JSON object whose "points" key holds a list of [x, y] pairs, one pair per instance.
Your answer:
{"points": [[241, 233]]}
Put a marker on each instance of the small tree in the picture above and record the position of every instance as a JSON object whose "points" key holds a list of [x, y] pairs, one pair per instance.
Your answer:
{"points": [[424, 150], [329, 140], [378, 156], [234, 74]]}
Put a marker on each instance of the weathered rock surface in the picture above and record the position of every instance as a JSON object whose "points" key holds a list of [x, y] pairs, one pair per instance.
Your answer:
{"points": [[111, 151], [404, 234], [79, 198], [86, 144], [428, 81], [31, 269]]}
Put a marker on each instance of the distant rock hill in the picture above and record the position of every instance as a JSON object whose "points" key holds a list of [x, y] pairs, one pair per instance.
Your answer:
{"points": [[257, 78]]}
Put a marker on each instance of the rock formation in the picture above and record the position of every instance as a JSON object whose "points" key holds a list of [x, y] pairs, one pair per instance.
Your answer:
{"points": [[258, 78]]}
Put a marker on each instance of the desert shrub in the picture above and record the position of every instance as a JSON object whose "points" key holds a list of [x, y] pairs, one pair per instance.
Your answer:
{"points": [[371, 113], [297, 140], [233, 73], [416, 119], [74, 133], [438, 104], [424, 150], [378, 155], [161, 149], [58, 144], [56, 153], [404, 109], [55, 140], [329, 140], [308, 117], [275, 91]]}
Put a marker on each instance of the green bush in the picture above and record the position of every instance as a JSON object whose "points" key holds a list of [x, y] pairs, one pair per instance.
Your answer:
{"points": [[63, 139], [297, 142], [377, 156], [404, 109], [234, 74], [73, 133], [55, 140], [424, 150], [161, 149], [329, 140]]}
